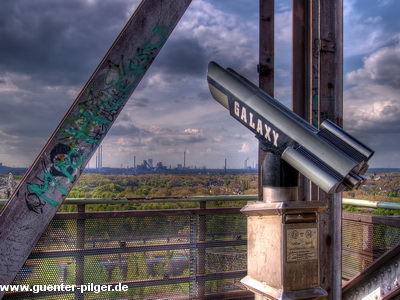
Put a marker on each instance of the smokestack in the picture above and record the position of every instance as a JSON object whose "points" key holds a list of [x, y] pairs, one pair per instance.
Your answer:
{"points": [[101, 157], [184, 159], [245, 163]]}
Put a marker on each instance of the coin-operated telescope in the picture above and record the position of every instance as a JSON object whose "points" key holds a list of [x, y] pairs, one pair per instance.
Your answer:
{"points": [[283, 233], [329, 157]]}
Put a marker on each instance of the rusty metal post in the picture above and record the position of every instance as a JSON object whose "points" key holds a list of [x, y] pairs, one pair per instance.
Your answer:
{"points": [[306, 73], [282, 231], [300, 67], [317, 96], [331, 107], [299, 55], [272, 171], [310, 38], [266, 66], [317, 74], [313, 55], [313, 75]]}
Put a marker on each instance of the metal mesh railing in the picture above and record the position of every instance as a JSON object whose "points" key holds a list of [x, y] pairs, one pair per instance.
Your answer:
{"points": [[195, 253], [366, 238], [158, 254]]}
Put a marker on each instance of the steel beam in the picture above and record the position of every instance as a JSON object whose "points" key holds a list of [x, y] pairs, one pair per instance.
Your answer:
{"points": [[62, 160], [330, 106], [265, 67]]}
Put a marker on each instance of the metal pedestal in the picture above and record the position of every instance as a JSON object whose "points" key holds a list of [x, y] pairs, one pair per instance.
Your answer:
{"points": [[283, 259]]}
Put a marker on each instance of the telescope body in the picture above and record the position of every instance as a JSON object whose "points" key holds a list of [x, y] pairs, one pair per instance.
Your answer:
{"points": [[329, 157]]}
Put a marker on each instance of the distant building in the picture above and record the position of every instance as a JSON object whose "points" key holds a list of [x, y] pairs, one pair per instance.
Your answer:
{"points": [[150, 162]]}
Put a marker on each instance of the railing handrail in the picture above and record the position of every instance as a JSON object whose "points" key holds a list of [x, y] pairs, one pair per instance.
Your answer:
{"points": [[371, 204], [142, 200], [250, 197]]}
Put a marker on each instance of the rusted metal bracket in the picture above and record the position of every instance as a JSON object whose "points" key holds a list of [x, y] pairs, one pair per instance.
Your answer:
{"points": [[263, 69], [326, 45]]}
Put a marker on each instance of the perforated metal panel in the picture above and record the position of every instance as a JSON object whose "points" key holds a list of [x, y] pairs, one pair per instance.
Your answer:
{"points": [[364, 242], [165, 254]]}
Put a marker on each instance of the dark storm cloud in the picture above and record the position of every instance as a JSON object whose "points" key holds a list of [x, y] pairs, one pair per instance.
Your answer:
{"points": [[139, 102], [168, 137], [183, 140], [373, 104], [24, 113], [54, 42], [127, 130], [371, 9], [368, 25], [48, 49], [381, 67], [183, 57], [385, 145], [243, 9], [204, 96]]}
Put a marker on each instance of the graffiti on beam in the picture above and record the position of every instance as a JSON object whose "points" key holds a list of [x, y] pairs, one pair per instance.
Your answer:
{"points": [[82, 132], [99, 109], [64, 162]]}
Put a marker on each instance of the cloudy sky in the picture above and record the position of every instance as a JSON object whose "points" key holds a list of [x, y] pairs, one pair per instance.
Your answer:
{"points": [[48, 50]]}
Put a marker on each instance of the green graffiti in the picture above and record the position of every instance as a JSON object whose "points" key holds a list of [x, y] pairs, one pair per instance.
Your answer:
{"points": [[41, 190], [96, 112], [64, 163], [85, 126]]}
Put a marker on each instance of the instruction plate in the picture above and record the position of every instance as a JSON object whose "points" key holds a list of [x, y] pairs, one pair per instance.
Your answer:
{"points": [[302, 244]]}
